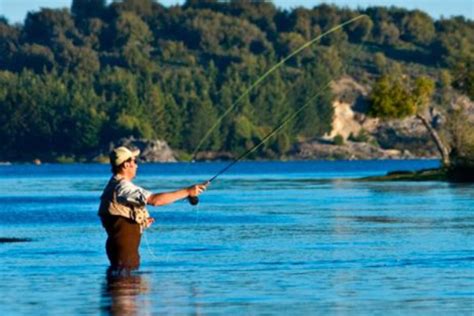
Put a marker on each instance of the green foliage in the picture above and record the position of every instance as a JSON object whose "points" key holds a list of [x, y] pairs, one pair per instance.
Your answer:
{"points": [[460, 133], [361, 137], [361, 31], [141, 8], [422, 92], [81, 9], [224, 35], [316, 118], [386, 33], [36, 57], [244, 134], [397, 97], [453, 42], [338, 140], [380, 62], [289, 42], [72, 82], [465, 77], [65, 159], [201, 120], [132, 40], [390, 99], [47, 26], [417, 27]]}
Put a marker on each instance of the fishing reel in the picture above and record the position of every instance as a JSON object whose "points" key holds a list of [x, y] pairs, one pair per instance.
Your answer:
{"points": [[193, 200]]}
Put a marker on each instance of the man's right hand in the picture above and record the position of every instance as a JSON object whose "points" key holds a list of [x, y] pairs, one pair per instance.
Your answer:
{"points": [[197, 189]]}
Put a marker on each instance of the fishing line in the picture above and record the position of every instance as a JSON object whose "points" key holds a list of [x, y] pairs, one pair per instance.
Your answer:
{"points": [[148, 247], [265, 75], [286, 119]]}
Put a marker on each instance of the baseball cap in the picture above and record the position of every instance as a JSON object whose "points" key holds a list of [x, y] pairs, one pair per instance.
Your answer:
{"points": [[121, 154]]}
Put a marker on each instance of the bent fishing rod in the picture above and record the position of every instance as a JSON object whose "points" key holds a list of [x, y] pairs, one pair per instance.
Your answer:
{"points": [[265, 75], [194, 200]]}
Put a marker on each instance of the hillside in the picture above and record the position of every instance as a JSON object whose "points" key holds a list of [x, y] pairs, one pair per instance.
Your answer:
{"points": [[75, 81]]}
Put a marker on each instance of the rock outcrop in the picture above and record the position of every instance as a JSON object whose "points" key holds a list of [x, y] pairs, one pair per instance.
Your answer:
{"points": [[150, 150], [406, 138], [408, 134], [323, 150]]}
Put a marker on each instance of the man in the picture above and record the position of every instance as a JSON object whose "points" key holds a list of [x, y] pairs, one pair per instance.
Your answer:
{"points": [[123, 209]]}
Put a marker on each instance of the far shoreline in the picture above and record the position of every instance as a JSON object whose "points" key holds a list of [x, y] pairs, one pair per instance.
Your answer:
{"points": [[49, 162]]}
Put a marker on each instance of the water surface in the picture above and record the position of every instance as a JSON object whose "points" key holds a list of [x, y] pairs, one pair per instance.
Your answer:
{"points": [[267, 238]]}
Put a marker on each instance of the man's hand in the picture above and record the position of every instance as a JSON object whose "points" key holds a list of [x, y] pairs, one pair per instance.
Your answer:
{"points": [[150, 220], [197, 189]]}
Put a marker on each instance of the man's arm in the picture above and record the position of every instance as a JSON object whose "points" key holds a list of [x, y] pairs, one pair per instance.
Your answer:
{"points": [[159, 199]]}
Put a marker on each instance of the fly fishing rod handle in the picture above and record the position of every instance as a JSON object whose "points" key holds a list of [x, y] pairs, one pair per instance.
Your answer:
{"points": [[193, 200]]}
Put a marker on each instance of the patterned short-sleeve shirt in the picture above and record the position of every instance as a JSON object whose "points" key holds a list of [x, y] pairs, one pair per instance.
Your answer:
{"points": [[129, 193]]}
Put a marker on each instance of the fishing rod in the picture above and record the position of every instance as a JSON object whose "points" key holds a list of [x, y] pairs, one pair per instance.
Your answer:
{"points": [[194, 200], [265, 75]]}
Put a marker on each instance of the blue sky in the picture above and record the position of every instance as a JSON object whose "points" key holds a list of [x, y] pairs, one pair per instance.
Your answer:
{"points": [[16, 10]]}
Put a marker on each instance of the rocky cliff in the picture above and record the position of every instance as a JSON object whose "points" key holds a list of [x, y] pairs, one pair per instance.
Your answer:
{"points": [[362, 137]]}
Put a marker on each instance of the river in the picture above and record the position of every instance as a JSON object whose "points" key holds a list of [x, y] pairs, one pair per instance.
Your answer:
{"points": [[289, 238]]}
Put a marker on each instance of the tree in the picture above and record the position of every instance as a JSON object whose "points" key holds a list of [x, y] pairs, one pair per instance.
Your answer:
{"points": [[301, 22], [173, 122], [361, 30], [218, 34], [142, 8], [201, 120], [386, 33], [380, 62], [390, 99], [393, 98], [288, 43], [46, 26], [80, 60], [35, 57], [132, 38], [316, 118], [453, 47], [9, 41], [417, 27], [82, 9], [31, 112]]}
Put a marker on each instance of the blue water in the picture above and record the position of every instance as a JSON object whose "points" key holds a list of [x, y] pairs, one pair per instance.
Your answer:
{"points": [[289, 238]]}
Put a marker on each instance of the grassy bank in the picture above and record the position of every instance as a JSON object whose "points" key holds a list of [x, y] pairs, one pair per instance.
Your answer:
{"points": [[440, 174]]}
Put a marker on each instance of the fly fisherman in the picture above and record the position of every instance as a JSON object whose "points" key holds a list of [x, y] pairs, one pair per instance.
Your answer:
{"points": [[123, 209]]}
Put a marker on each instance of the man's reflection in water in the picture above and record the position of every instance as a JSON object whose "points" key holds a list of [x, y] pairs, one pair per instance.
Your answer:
{"points": [[122, 293]]}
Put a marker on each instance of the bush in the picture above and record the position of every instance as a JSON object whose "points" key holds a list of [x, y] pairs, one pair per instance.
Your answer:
{"points": [[338, 140], [361, 137], [65, 159]]}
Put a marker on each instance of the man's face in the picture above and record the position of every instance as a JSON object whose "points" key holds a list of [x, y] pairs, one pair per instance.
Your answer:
{"points": [[131, 168]]}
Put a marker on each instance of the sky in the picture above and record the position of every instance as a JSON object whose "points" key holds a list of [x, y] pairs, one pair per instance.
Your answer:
{"points": [[15, 10]]}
